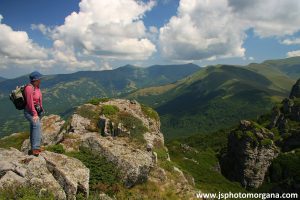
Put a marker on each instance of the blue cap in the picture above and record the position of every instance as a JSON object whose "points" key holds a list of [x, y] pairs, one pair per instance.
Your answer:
{"points": [[35, 76]]}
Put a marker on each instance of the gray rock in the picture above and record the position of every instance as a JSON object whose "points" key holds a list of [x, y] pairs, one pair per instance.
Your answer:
{"points": [[109, 128], [248, 158], [11, 179], [153, 137], [39, 176], [71, 174], [56, 173], [51, 129], [79, 124], [134, 163], [51, 132]]}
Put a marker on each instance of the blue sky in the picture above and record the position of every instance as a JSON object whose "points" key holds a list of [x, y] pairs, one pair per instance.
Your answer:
{"points": [[64, 36]]}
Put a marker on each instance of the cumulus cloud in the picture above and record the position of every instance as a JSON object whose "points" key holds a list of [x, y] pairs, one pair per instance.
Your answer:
{"points": [[42, 28], [293, 53], [291, 41], [18, 50], [268, 17], [202, 30], [17, 45], [108, 29], [210, 29]]}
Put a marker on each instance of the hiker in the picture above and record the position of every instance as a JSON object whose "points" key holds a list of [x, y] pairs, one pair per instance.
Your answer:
{"points": [[33, 111]]}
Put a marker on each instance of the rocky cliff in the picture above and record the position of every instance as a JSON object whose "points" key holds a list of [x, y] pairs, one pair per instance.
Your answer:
{"points": [[253, 146], [125, 133], [250, 152], [63, 176]]}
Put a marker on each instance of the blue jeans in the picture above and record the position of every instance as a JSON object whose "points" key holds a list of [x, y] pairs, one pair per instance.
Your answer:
{"points": [[35, 130]]}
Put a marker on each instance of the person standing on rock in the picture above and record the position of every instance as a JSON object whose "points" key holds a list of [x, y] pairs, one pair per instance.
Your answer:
{"points": [[33, 111]]}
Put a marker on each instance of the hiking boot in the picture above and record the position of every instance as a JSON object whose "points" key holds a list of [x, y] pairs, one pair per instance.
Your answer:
{"points": [[36, 152]]}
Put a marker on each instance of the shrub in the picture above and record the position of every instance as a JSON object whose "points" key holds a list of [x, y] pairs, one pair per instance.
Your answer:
{"points": [[58, 148], [15, 141], [87, 112], [134, 125], [95, 101], [103, 174], [266, 142], [149, 112], [109, 110], [25, 193], [162, 154]]}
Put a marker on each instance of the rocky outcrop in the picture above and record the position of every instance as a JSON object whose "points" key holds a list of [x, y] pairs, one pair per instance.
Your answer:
{"points": [[51, 132], [250, 151], [125, 133], [153, 137], [61, 175], [114, 141], [134, 163], [110, 128], [290, 109], [295, 93]]}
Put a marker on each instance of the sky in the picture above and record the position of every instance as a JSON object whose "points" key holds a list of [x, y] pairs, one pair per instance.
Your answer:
{"points": [[65, 36]]}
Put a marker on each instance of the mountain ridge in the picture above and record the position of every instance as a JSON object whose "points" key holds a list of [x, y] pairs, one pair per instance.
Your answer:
{"points": [[61, 93], [243, 91]]}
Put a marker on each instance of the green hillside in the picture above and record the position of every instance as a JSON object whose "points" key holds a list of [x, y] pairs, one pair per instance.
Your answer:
{"points": [[61, 93], [199, 154], [216, 97], [289, 66]]}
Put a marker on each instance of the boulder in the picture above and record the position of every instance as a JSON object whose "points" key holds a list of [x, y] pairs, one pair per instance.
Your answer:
{"points": [[70, 173], [51, 132], [134, 163], [250, 151], [56, 173], [51, 129], [79, 124]]}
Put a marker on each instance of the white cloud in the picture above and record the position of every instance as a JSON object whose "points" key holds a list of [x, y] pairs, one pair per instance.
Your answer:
{"points": [[18, 50], [202, 30], [291, 41], [293, 53], [108, 29], [205, 29], [41, 27], [268, 17], [17, 45], [65, 56]]}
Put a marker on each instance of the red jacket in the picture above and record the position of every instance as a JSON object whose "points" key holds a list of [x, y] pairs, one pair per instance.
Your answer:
{"points": [[33, 97]]}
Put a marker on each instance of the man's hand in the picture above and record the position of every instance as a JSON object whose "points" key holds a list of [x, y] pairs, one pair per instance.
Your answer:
{"points": [[35, 119]]}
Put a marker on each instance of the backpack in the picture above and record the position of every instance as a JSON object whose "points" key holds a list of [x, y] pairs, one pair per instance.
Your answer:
{"points": [[18, 98]]}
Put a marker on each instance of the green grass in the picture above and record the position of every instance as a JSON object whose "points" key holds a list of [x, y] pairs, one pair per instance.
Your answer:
{"points": [[15, 141], [134, 125], [202, 160], [25, 193], [58, 148], [201, 166], [162, 154], [149, 112], [108, 110], [95, 101], [87, 112], [266, 142], [104, 175]]}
